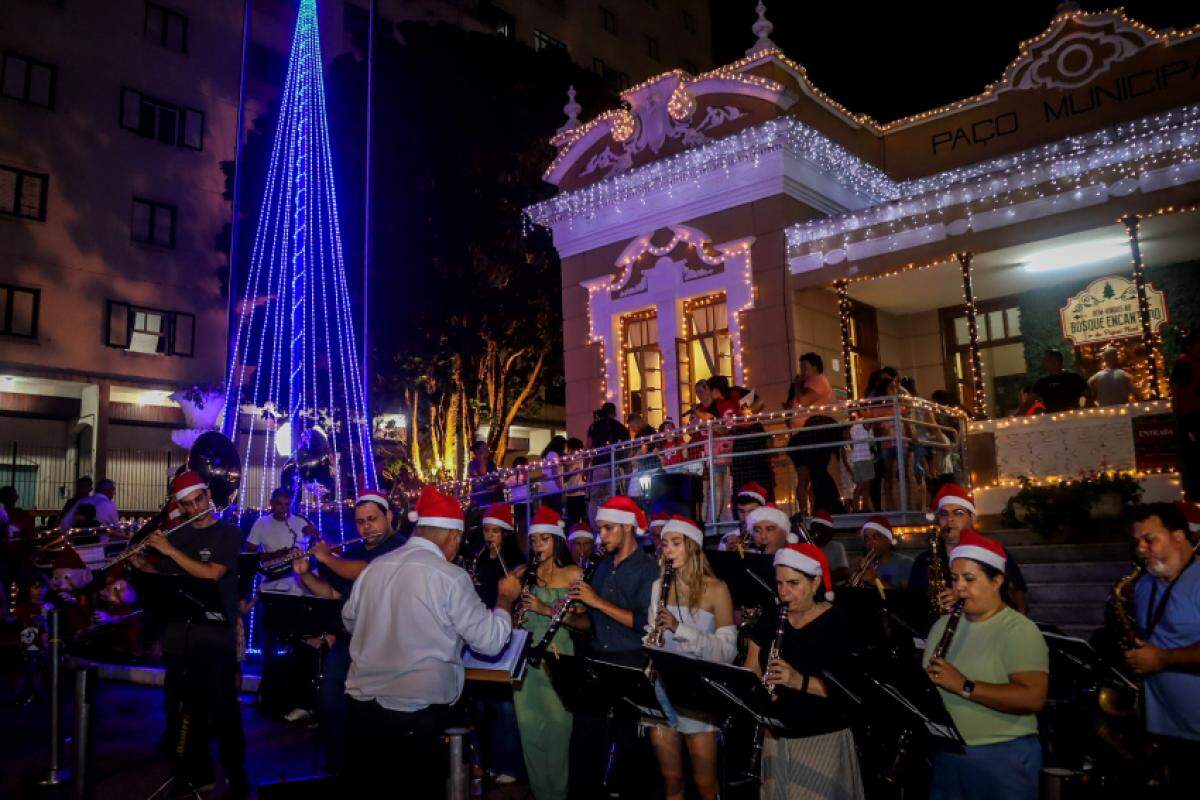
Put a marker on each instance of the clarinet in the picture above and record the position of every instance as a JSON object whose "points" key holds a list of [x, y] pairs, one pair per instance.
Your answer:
{"points": [[943, 645], [538, 651], [657, 636], [528, 581], [776, 646]]}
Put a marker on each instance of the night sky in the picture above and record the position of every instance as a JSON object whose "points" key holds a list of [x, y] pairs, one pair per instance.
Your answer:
{"points": [[890, 60]]}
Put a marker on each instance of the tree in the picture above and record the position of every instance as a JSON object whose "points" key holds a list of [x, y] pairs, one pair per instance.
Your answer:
{"points": [[1108, 293]]}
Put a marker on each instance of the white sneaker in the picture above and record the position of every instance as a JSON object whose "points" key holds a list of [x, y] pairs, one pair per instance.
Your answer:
{"points": [[297, 714], [505, 779]]}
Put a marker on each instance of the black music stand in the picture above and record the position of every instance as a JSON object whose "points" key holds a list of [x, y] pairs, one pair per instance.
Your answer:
{"points": [[900, 690], [247, 570], [181, 598], [1075, 657], [294, 617], [599, 682], [714, 688], [750, 578]]}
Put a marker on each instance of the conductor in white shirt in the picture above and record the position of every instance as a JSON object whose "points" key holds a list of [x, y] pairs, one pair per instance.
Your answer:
{"points": [[409, 614]]}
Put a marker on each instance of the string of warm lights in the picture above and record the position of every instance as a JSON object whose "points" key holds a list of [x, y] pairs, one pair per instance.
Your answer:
{"points": [[1096, 412], [844, 322], [1070, 480], [968, 295], [1150, 340]]}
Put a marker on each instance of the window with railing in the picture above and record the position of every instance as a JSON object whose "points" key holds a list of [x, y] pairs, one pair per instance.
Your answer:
{"points": [[642, 365], [705, 347]]}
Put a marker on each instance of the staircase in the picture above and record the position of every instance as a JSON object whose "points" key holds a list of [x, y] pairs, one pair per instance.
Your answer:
{"points": [[1068, 583]]}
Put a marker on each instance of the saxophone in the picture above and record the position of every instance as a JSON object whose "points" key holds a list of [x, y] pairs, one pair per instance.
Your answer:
{"points": [[938, 581]]}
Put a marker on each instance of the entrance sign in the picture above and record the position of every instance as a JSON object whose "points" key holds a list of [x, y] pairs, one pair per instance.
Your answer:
{"points": [[1108, 309]]}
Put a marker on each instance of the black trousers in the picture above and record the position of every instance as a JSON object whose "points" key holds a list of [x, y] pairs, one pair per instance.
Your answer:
{"points": [[202, 705], [395, 752]]}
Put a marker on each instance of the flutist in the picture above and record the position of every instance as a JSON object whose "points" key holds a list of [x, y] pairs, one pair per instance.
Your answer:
{"points": [[993, 675], [816, 757]]}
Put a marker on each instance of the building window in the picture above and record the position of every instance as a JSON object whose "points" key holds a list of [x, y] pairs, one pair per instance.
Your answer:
{"points": [[706, 347], [166, 122], [502, 23], [23, 193], [19, 311], [149, 330], [544, 41], [608, 21], [642, 363], [28, 80], [153, 223], [166, 28], [652, 47], [687, 20], [862, 333], [1001, 354]]}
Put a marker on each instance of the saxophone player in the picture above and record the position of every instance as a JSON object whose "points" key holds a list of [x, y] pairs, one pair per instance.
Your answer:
{"points": [[1166, 602], [954, 512]]}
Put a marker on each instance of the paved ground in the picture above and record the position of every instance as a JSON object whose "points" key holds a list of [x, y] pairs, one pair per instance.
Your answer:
{"points": [[126, 762]]}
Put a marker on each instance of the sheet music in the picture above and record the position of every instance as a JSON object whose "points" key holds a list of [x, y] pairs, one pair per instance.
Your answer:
{"points": [[508, 660]]}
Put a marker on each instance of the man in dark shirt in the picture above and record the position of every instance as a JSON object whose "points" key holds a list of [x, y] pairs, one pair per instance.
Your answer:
{"points": [[201, 657], [618, 602], [373, 520], [604, 431], [1060, 390]]}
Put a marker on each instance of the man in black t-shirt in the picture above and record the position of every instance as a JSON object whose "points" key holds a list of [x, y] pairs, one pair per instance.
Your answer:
{"points": [[201, 657], [1060, 390]]}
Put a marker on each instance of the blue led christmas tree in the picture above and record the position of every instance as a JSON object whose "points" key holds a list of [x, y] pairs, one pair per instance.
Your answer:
{"points": [[294, 371]]}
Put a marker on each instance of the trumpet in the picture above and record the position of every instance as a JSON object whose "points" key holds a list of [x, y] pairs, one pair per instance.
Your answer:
{"points": [[867, 563]]}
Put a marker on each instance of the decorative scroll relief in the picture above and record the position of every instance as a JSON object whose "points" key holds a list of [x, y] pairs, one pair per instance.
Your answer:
{"points": [[1077, 58]]}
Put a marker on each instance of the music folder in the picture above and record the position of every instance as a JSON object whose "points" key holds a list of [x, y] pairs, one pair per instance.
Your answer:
{"points": [[507, 665], [750, 578]]}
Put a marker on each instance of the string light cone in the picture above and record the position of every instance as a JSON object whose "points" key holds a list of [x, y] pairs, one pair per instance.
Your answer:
{"points": [[294, 364]]}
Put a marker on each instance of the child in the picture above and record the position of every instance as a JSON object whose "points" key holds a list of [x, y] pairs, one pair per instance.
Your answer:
{"points": [[862, 463], [32, 614]]}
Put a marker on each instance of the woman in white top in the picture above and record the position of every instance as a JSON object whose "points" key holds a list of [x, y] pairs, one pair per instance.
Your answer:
{"points": [[697, 620], [551, 485]]}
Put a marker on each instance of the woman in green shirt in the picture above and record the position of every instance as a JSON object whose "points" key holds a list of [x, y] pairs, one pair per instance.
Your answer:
{"points": [[545, 724], [993, 679]]}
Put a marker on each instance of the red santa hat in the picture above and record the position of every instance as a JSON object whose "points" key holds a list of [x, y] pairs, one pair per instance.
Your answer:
{"points": [[753, 492], [879, 524], [500, 515], [772, 515], [186, 483], [622, 510], [821, 517], [580, 530], [68, 559], [437, 510], [681, 524], [1191, 513], [375, 496], [659, 519], [809, 559], [174, 512], [979, 548], [547, 520], [951, 494]]}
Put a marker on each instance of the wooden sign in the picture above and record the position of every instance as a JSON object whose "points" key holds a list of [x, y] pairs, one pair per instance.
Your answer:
{"points": [[1108, 309]]}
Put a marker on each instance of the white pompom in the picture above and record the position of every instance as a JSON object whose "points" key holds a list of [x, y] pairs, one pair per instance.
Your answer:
{"points": [[793, 539], [829, 596], [413, 516]]}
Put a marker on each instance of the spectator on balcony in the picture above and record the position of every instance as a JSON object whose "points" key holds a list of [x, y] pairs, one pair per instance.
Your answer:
{"points": [[518, 490], [809, 388], [605, 430], [551, 485], [83, 488], [735, 401], [1031, 405], [485, 485], [1058, 389], [102, 501], [1111, 386], [1185, 402], [574, 481], [703, 399]]}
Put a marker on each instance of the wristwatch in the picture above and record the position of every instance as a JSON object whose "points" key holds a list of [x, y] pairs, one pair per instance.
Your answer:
{"points": [[967, 689]]}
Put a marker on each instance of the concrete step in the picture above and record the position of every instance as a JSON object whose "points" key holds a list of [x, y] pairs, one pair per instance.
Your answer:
{"points": [[1100, 552], [1073, 592], [1067, 613], [1072, 572]]}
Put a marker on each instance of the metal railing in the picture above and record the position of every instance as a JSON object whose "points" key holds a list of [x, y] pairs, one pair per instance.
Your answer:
{"points": [[44, 477], [911, 444]]}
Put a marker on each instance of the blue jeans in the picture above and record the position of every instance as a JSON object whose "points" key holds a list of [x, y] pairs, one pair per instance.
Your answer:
{"points": [[1004, 771]]}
